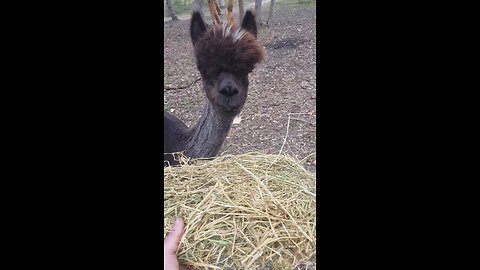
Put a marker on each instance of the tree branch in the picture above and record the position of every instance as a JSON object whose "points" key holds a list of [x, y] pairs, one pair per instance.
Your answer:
{"points": [[168, 88]]}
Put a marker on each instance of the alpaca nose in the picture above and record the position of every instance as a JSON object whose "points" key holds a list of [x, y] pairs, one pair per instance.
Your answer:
{"points": [[228, 90]]}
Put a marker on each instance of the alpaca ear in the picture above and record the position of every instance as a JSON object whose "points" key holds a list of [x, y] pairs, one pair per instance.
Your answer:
{"points": [[197, 27], [249, 24]]}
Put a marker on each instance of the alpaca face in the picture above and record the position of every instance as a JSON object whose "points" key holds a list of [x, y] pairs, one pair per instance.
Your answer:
{"points": [[225, 55]]}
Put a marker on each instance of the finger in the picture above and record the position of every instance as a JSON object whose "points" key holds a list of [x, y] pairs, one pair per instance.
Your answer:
{"points": [[173, 238]]}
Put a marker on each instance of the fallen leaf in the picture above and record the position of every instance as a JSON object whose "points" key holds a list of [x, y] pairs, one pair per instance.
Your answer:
{"points": [[237, 120]]}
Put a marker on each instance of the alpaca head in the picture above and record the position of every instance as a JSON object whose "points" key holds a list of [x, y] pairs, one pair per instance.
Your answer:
{"points": [[225, 55]]}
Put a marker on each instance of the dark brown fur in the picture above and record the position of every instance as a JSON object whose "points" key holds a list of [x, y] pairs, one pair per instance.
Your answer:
{"points": [[219, 57], [215, 52], [224, 65]]}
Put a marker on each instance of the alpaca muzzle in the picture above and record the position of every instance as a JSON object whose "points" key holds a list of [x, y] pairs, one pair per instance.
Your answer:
{"points": [[228, 88]]}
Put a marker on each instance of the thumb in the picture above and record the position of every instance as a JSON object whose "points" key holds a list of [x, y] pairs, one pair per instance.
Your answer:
{"points": [[173, 238]]}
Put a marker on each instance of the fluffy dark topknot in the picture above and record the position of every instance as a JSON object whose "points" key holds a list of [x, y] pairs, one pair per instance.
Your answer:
{"points": [[228, 48]]}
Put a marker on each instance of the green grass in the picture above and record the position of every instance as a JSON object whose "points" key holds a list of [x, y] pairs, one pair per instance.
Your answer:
{"points": [[304, 3], [179, 7]]}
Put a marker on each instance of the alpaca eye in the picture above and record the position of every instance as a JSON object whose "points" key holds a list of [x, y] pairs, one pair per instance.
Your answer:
{"points": [[203, 73], [207, 78]]}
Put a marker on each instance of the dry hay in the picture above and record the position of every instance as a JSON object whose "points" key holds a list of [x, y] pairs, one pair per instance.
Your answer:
{"points": [[250, 211]]}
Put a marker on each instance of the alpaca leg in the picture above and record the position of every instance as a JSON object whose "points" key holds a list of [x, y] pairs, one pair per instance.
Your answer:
{"points": [[213, 12], [230, 18], [219, 11]]}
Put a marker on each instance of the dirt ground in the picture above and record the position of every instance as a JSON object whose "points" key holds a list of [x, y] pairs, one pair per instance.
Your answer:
{"points": [[280, 112]]}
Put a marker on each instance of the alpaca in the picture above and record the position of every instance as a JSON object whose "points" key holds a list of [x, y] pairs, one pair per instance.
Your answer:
{"points": [[215, 11], [225, 55], [230, 18]]}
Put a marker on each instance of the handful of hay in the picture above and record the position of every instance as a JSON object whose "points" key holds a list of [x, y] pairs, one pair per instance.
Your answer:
{"points": [[249, 211]]}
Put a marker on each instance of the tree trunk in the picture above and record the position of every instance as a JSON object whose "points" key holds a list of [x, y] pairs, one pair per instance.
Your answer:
{"points": [[270, 14], [240, 11], [198, 6], [171, 13], [258, 12]]}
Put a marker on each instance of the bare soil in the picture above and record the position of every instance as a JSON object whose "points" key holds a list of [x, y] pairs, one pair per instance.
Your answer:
{"points": [[280, 112]]}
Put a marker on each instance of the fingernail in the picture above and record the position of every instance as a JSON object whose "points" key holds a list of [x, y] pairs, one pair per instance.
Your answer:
{"points": [[177, 220]]}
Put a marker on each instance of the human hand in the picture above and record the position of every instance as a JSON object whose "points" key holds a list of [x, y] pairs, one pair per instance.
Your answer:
{"points": [[170, 245]]}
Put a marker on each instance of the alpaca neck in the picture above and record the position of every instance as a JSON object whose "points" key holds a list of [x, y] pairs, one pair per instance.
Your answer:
{"points": [[207, 136]]}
